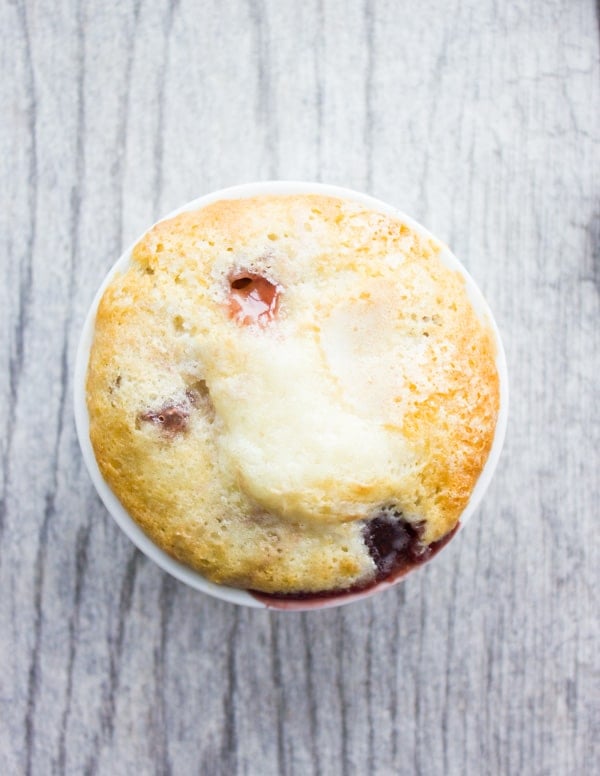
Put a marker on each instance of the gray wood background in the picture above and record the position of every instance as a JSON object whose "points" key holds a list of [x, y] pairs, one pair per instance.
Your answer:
{"points": [[482, 119]]}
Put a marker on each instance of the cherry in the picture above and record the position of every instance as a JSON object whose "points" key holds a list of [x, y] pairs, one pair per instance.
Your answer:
{"points": [[172, 418], [253, 299], [393, 542]]}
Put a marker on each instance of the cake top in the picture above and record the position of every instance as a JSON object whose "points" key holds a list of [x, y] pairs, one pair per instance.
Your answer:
{"points": [[282, 389]]}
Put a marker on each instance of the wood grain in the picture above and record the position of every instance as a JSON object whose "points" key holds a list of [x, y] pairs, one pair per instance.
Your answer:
{"points": [[480, 118]]}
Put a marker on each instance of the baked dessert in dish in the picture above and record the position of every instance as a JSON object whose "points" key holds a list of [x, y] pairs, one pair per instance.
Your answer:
{"points": [[291, 394]]}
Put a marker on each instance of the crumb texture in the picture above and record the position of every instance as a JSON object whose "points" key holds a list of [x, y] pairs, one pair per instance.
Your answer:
{"points": [[270, 373]]}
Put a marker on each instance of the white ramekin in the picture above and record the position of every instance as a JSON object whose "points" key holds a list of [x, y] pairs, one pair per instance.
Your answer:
{"points": [[128, 525]]}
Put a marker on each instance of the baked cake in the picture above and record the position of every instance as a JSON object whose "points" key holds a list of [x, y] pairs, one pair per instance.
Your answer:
{"points": [[291, 394]]}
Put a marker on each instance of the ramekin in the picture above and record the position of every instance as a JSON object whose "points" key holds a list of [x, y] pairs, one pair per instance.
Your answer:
{"points": [[130, 527]]}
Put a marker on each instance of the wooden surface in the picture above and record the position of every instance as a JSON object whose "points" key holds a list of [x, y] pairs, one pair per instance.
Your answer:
{"points": [[481, 119]]}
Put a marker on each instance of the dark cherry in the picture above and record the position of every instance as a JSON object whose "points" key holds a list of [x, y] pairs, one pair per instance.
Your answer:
{"points": [[394, 543], [252, 299]]}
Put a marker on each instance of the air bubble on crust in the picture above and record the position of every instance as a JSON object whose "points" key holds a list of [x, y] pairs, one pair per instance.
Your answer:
{"points": [[199, 396], [115, 384]]}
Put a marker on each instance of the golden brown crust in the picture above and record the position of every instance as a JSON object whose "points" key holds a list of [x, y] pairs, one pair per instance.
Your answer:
{"points": [[254, 455]]}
